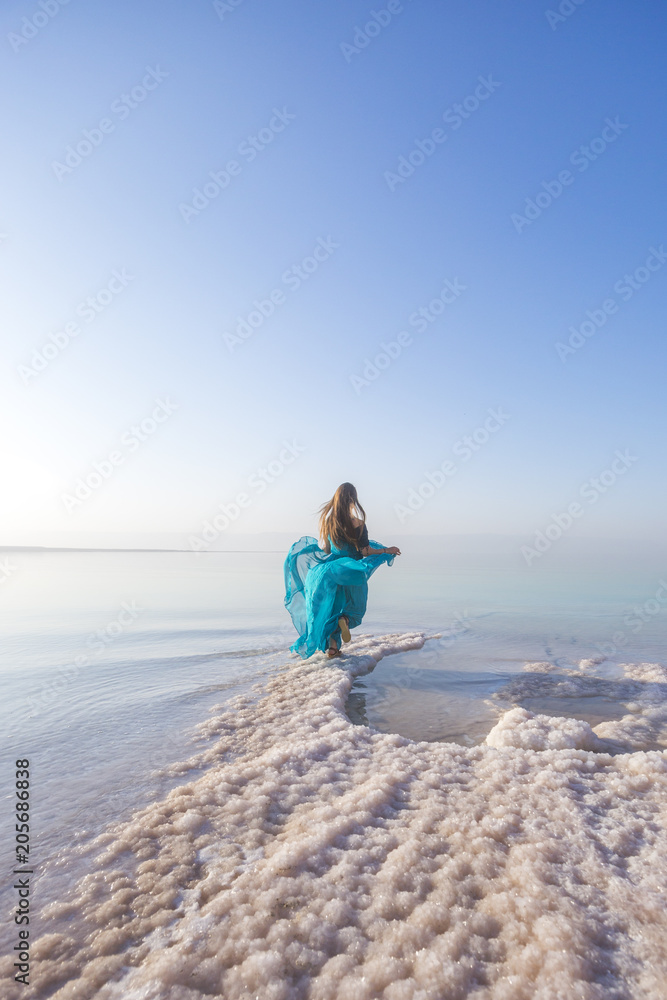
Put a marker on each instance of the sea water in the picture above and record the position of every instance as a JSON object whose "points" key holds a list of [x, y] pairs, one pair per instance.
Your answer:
{"points": [[180, 755]]}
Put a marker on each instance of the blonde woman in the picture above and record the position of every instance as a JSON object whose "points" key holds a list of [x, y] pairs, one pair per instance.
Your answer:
{"points": [[326, 588]]}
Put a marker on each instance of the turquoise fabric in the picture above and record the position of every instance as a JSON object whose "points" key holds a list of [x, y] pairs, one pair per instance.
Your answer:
{"points": [[321, 586]]}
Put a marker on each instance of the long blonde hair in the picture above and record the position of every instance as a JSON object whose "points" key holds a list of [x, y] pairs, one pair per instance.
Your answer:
{"points": [[335, 518]]}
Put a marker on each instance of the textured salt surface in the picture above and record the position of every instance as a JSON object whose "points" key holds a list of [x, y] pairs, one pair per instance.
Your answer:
{"points": [[317, 859], [643, 691]]}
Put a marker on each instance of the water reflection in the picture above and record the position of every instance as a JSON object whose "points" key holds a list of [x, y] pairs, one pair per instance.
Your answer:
{"points": [[463, 706], [429, 706]]}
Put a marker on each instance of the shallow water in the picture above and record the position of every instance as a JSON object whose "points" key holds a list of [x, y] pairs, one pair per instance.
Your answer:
{"points": [[168, 636]]}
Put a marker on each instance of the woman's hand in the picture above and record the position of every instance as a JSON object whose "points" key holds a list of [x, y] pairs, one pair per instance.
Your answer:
{"points": [[394, 551]]}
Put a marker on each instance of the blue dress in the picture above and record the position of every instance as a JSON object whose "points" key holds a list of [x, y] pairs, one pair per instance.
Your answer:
{"points": [[321, 586]]}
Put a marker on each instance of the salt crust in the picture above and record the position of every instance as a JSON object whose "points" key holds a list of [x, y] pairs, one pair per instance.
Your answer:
{"points": [[316, 859], [643, 690]]}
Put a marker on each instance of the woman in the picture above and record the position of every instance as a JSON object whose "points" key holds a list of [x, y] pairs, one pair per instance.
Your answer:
{"points": [[326, 588]]}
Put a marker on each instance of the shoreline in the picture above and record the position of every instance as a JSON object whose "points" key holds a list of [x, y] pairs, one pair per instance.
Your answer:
{"points": [[318, 858]]}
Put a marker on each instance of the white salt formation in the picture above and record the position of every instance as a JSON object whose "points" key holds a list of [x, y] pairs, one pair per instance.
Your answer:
{"points": [[520, 728], [317, 860], [642, 689]]}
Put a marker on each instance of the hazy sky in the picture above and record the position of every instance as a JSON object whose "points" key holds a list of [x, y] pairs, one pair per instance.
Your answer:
{"points": [[469, 183]]}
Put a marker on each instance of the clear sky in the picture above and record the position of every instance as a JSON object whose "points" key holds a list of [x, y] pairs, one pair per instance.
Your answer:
{"points": [[366, 156]]}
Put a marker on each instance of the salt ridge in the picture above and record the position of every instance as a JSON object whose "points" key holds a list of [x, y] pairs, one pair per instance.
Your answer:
{"points": [[317, 859]]}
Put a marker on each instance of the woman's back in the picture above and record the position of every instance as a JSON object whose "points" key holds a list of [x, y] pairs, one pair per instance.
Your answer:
{"points": [[347, 548]]}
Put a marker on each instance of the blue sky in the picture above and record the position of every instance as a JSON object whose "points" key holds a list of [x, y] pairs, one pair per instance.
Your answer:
{"points": [[332, 125]]}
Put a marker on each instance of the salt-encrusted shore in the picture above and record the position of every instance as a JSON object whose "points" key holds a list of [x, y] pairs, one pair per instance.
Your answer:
{"points": [[317, 859]]}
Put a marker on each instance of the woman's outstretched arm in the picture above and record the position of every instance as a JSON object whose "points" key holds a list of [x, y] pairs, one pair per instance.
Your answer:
{"points": [[368, 551]]}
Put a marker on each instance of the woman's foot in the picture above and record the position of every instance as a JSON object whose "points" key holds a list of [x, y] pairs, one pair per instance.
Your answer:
{"points": [[333, 649], [343, 624]]}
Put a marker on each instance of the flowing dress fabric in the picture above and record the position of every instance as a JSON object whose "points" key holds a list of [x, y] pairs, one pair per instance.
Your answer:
{"points": [[321, 586]]}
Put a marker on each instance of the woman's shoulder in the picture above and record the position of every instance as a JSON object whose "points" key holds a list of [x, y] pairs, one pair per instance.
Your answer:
{"points": [[357, 522]]}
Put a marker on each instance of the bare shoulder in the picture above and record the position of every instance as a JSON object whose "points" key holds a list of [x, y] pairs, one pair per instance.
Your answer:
{"points": [[356, 522]]}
